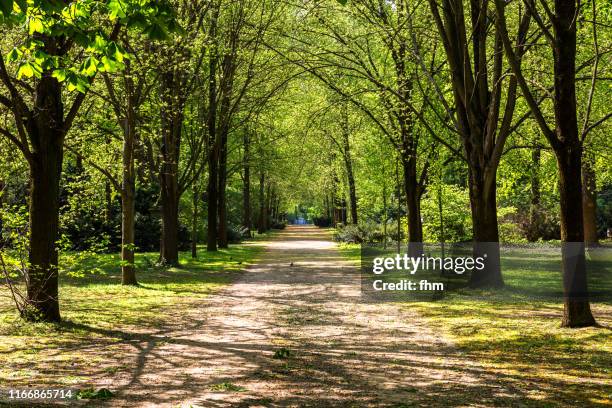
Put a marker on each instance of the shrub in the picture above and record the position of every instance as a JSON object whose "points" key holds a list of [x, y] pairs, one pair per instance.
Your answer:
{"points": [[279, 225], [323, 222], [368, 232]]}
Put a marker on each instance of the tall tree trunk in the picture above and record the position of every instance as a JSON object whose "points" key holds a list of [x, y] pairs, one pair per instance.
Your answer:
{"points": [[45, 130], [589, 203], [172, 121], [267, 198], [348, 163], [577, 310], [194, 224], [213, 145], [221, 202], [483, 203], [413, 200], [261, 222], [246, 185], [170, 223], [128, 203], [212, 199]]}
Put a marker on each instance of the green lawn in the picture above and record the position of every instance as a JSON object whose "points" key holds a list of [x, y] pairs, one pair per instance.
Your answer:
{"points": [[100, 316], [516, 333]]}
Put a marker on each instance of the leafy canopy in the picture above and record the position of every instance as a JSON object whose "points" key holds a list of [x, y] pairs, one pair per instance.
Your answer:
{"points": [[91, 25]]}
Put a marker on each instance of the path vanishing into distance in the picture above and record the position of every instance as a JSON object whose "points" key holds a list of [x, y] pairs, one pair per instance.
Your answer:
{"points": [[332, 349]]}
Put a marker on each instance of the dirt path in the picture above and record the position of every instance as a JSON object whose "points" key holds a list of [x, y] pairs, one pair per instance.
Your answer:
{"points": [[342, 352]]}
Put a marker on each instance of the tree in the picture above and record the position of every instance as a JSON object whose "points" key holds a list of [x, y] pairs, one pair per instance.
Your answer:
{"points": [[566, 142], [64, 46], [482, 123]]}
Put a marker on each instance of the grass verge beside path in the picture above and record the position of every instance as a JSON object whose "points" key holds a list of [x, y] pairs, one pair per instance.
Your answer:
{"points": [[518, 337], [101, 318]]}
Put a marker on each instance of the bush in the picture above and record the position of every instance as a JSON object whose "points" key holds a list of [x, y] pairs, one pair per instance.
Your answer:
{"points": [[323, 222], [279, 225], [368, 232], [236, 233]]}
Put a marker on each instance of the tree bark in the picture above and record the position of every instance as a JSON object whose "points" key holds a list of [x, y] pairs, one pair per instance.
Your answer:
{"points": [[45, 130], [172, 120], [221, 202], [128, 203], [483, 202], [246, 185], [213, 145], [413, 200], [267, 198], [577, 310], [261, 223], [194, 224]]}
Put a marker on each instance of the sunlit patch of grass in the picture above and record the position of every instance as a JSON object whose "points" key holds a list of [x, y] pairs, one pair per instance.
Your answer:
{"points": [[102, 318], [517, 333], [350, 251]]}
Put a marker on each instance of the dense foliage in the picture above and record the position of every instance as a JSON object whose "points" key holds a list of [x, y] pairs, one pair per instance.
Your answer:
{"points": [[145, 125]]}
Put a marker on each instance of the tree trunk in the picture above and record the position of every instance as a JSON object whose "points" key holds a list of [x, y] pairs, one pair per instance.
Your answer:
{"points": [[170, 223], [194, 224], [348, 163], [128, 205], [221, 203], [246, 186], [577, 311], [212, 197], [213, 146], [413, 201], [261, 226], [172, 121], [589, 203], [266, 220], [42, 276], [47, 136], [128, 269], [485, 230]]}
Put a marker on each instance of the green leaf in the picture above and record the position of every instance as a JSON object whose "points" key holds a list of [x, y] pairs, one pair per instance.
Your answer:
{"points": [[14, 55], [25, 70], [89, 66], [117, 9], [60, 74], [28, 70], [36, 25]]}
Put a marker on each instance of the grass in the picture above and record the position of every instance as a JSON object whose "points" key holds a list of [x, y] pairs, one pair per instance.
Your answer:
{"points": [[516, 334], [101, 318]]}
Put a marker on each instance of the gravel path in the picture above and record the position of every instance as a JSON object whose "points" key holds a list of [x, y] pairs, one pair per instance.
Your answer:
{"points": [[300, 336]]}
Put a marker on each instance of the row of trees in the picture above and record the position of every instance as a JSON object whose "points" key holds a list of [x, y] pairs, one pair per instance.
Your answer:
{"points": [[222, 115], [459, 81], [140, 95]]}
